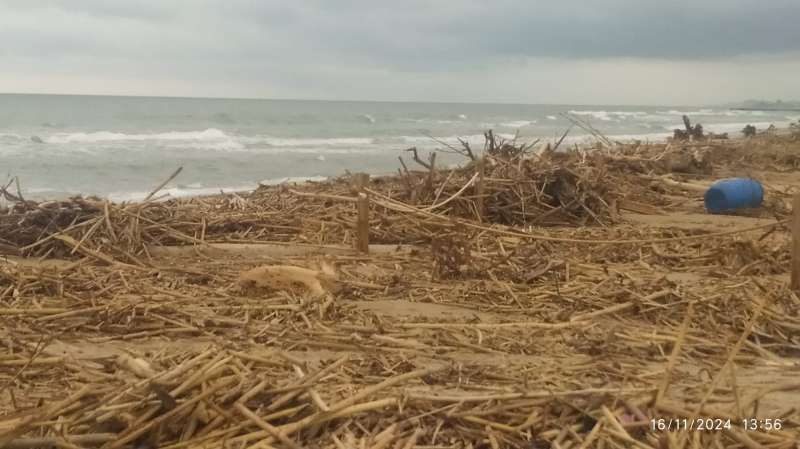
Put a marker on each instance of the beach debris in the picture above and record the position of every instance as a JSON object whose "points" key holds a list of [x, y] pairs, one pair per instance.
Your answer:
{"points": [[290, 278], [451, 254], [794, 129], [689, 160], [732, 194], [516, 186], [553, 321], [717, 136], [690, 132], [138, 366]]}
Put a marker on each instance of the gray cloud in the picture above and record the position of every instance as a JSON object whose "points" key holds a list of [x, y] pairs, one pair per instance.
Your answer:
{"points": [[289, 48]]}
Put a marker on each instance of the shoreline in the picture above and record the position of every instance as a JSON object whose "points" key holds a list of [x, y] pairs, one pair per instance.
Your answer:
{"points": [[71, 149], [179, 191]]}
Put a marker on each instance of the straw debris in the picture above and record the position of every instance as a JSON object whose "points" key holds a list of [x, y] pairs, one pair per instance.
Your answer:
{"points": [[577, 298]]}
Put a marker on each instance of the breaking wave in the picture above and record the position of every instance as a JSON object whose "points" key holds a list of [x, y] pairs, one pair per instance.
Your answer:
{"points": [[608, 116], [451, 140], [305, 142], [198, 189], [108, 136], [518, 123]]}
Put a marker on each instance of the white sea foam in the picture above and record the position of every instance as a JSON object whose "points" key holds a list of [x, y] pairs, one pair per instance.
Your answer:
{"points": [[293, 179], [108, 136], [647, 137], [462, 116], [432, 120], [319, 142], [211, 139], [178, 192], [582, 139], [451, 140], [36, 190], [316, 150], [518, 123], [224, 145], [734, 113], [734, 128], [600, 115], [368, 118], [608, 116], [689, 113], [552, 117], [712, 112], [198, 189], [718, 128]]}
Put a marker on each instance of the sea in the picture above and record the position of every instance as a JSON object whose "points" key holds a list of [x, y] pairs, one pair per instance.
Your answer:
{"points": [[120, 148]]}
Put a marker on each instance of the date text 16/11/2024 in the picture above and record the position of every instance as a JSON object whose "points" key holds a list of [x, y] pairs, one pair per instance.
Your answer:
{"points": [[713, 424]]}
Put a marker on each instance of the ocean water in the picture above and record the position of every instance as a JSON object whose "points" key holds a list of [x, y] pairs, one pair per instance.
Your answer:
{"points": [[122, 147]]}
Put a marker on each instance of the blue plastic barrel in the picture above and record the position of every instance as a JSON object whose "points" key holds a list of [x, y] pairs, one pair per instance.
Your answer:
{"points": [[736, 193]]}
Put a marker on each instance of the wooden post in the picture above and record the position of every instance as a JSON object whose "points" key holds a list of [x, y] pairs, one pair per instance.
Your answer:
{"points": [[362, 224], [795, 283], [479, 201]]}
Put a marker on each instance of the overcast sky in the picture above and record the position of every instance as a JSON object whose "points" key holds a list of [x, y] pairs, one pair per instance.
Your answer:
{"points": [[523, 51]]}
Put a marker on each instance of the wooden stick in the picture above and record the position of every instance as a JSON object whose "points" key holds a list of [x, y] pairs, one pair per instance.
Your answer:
{"points": [[563, 136], [346, 406], [362, 225], [608, 310], [480, 190], [399, 206], [10, 433], [795, 282], [455, 195], [673, 358], [760, 305], [161, 186], [86, 439], [96, 254], [273, 431], [134, 433], [91, 230], [425, 396], [523, 324], [744, 439]]}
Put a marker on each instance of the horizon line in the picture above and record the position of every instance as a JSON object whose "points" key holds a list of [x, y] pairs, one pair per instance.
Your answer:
{"points": [[182, 97]]}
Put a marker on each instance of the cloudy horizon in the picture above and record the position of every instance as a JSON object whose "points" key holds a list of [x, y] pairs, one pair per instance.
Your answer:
{"points": [[508, 51]]}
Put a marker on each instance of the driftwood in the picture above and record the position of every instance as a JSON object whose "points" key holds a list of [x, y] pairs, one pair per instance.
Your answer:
{"points": [[690, 132]]}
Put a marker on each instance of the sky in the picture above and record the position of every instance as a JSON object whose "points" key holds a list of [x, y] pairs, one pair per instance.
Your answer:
{"points": [[510, 51]]}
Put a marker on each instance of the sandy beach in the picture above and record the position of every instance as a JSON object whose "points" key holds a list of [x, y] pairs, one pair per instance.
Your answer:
{"points": [[563, 299]]}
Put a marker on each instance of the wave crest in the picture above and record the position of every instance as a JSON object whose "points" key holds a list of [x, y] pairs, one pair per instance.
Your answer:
{"points": [[108, 136], [518, 123]]}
